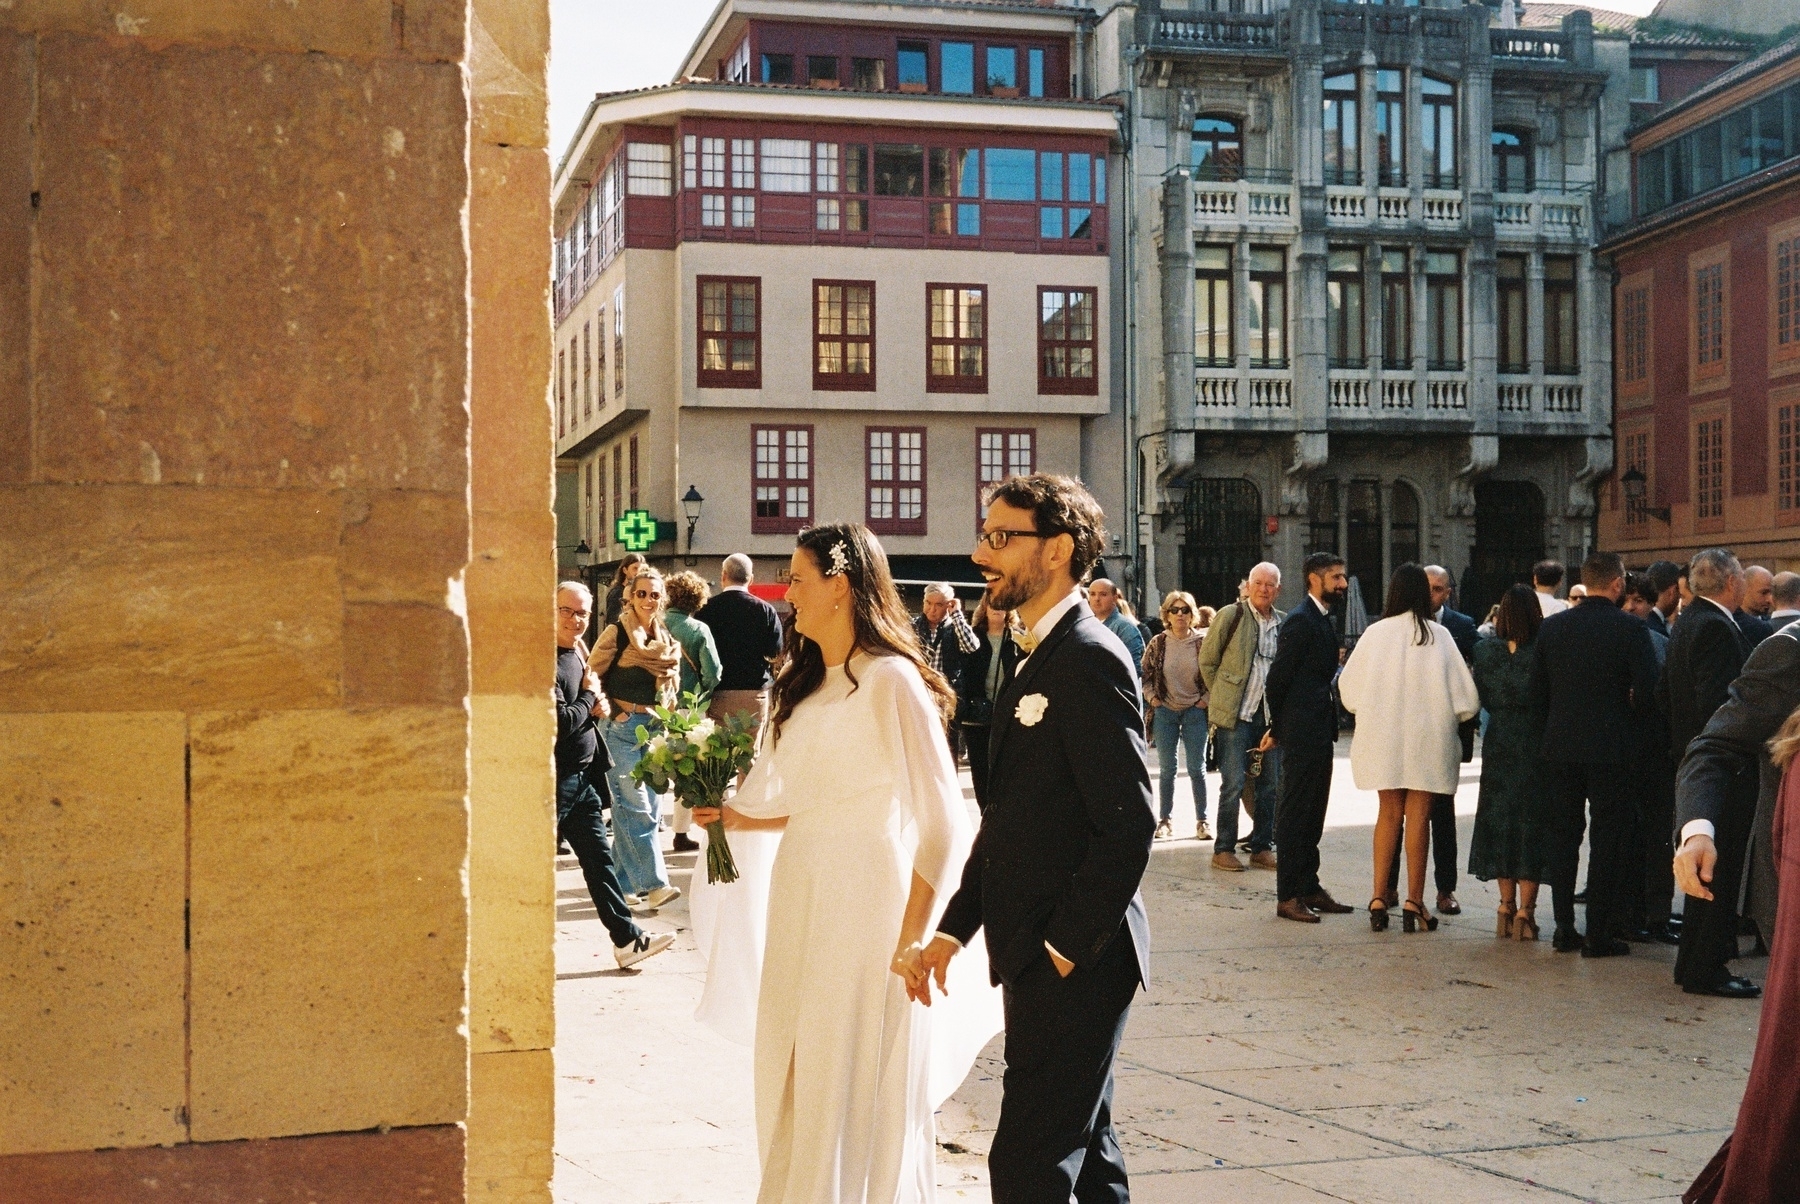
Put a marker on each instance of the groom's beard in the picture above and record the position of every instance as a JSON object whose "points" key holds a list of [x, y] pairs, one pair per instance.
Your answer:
{"points": [[1014, 590]]}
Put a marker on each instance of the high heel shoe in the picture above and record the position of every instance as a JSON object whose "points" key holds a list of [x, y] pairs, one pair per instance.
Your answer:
{"points": [[1525, 925], [1413, 916], [1503, 923], [1378, 914]]}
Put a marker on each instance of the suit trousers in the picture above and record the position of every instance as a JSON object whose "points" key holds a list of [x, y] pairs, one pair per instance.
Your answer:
{"points": [[1055, 1137], [1300, 820], [1571, 790], [1656, 841], [1709, 930], [1443, 845]]}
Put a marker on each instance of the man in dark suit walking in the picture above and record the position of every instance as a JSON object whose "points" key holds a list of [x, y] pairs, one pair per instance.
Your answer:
{"points": [[1053, 876], [1706, 653], [1715, 804], [1594, 670], [1303, 723]]}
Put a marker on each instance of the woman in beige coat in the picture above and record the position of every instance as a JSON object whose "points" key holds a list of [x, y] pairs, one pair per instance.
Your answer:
{"points": [[1409, 689]]}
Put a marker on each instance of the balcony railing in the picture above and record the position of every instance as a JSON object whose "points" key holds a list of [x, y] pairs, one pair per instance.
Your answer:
{"points": [[1528, 46], [1535, 214], [1242, 201], [1521, 396], [1218, 31]]}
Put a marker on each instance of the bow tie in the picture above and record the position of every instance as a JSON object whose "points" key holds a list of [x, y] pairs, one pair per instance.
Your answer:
{"points": [[1026, 640]]}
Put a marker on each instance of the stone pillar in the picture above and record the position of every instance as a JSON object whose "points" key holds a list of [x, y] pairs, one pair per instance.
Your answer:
{"points": [[1306, 299], [244, 252]]}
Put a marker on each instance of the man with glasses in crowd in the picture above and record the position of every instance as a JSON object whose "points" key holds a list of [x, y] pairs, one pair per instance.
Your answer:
{"points": [[1234, 664]]}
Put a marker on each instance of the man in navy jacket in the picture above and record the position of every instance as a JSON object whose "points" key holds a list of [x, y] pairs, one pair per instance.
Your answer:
{"points": [[1053, 876]]}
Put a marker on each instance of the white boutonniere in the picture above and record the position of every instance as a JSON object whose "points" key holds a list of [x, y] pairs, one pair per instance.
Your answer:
{"points": [[1030, 710]]}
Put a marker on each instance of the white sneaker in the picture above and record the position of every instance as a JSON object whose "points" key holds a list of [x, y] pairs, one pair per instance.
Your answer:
{"points": [[1202, 832], [661, 897], [632, 900], [645, 946], [1163, 830]]}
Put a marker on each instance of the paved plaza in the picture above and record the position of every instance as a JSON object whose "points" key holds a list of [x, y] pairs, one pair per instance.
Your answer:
{"points": [[1269, 1061]]}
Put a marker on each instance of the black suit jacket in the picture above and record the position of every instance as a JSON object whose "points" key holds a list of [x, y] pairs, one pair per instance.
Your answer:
{"points": [[1706, 652], [1722, 759], [1462, 632], [1657, 622], [1302, 710], [1067, 831], [747, 632], [1594, 673], [1756, 629]]}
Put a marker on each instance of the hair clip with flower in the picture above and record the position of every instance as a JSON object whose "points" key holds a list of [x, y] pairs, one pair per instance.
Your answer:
{"points": [[840, 562]]}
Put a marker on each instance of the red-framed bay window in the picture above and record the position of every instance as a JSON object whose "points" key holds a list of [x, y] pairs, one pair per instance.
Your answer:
{"points": [[956, 338], [729, 332], [894, 478], [844, 334], [1068, 341], [1001, 452], [781, 479]]}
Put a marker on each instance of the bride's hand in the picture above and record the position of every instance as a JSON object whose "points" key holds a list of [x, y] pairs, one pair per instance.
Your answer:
{"points": [[708, 815], [909, 965]]}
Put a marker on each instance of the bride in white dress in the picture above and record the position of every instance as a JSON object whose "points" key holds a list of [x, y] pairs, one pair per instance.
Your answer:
{"points": [[856, 773]]}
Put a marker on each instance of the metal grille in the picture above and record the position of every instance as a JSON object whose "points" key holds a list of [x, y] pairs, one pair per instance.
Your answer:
{"points": [[1221, 537]]}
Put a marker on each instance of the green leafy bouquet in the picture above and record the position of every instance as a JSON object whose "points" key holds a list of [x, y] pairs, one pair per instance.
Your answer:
{"points": [[698, 759]]}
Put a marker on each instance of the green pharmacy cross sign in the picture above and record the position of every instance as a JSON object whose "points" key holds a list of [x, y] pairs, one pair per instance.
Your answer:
{"points": [[637, 530]]}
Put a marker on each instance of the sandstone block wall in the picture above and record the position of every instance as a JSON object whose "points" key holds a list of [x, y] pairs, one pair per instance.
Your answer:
{"points": [[276, 553]]}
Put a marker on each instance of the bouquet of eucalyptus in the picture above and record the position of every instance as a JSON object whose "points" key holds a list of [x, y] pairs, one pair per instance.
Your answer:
{"points": [[698, 759]]}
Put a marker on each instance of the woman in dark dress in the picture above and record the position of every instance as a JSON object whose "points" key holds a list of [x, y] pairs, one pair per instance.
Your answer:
{"points": [[985, 670], [1507, 841]]}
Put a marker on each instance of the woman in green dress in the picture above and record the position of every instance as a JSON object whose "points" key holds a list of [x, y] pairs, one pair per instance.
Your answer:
{"points": [[1508, 841]]}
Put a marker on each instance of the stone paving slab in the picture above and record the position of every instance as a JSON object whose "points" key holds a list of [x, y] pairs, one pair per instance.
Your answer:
{"points": [[1270, 1061]]}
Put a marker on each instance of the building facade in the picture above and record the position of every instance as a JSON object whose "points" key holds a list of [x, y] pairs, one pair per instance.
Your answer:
{"points": [[1707, 305], [1366, 318], [851, 265]]}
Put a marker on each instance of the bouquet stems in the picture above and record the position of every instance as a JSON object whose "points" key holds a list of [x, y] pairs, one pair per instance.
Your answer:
{"points": [[719, 865]]}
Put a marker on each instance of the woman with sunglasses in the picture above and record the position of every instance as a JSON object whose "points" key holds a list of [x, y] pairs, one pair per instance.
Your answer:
{"points": [[639, 663], [1176, 699]]}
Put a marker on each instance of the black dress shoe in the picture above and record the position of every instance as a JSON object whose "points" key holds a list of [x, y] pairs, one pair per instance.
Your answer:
{"points": [[1604, 947], [685, 843], [1652, 936], [1580, 896], [1566, 939], [1730, 988]]}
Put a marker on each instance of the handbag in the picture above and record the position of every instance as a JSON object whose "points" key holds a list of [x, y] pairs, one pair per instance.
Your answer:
{"points": [[975, 712]]}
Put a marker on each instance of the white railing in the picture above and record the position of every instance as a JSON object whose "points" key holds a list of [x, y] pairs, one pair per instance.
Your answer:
{"points": [[1509, 212], [1241, 200], [1446, 393], [1215, 391], [1443, 208], [1397, 393], [1269, 203], [1562, 399], [1346, 204], [1530, 215], [1271, 391], [1396, 205], [1349, 391], [1561, 217], [1215, 200], [1515, 398]]}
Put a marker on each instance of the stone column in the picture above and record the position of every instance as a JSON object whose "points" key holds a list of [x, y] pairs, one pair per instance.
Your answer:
{"points": [[1306, 288]]}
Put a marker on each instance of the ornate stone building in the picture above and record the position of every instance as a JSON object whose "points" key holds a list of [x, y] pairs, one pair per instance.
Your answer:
{"points": [[1357, 271]]}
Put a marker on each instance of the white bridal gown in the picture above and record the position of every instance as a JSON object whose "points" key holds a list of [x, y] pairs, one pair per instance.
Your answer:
{"points": [[848, 1070]]}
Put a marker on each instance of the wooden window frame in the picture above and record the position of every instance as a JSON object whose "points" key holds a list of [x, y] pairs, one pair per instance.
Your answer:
{"points": [[982, 483], [1784, 412], [600, 358], [1641, 317], [724, 378], [1634, 518], [895, 525], [1703, 417], [618, 486], [1519, 289], [784, 524], [843, 382], [1571, 288], [1784, 259], [958, 384], [602, 536], [618, 342], [1713, 374], [631, 458], [1212, 277], [587, 371], [1068, 386]]}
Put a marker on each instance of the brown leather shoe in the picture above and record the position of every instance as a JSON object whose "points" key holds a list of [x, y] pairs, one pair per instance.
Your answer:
{"points": [[1264, 860], [1296, 909], [1227, 861], [1324, 903]]}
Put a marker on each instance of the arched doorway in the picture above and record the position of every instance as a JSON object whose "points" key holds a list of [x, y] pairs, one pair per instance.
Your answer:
{"points": [[1509, 539], [1221, 537]]}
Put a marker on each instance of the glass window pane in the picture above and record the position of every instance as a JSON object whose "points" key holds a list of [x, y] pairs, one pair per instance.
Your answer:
{"points": [[1050, 176], [786, 165], [856, 168], [1081, 223], [1010, 175], [968, 220], [956, 67], [1035, 67], [1002, 67], [899, 169], [1050, 222], [1080, 177], [968, 173], [821, 67], [943, 177], [868, 75], [1218, 258], [778, 68], [912, 66]]}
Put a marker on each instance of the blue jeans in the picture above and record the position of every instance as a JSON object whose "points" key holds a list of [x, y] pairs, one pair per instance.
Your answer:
{"points": [[1171, 728], [635, 848], [1235, 745]]}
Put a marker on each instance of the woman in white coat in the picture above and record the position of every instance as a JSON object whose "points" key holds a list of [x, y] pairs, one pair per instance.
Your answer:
{"points": [[1409, 689]]}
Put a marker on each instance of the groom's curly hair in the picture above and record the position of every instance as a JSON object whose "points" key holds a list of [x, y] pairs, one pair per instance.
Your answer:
{"points": [[1059, 505]]}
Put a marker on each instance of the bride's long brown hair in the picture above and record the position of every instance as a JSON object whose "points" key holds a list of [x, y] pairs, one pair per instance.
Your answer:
{"points": [[878, 618]]}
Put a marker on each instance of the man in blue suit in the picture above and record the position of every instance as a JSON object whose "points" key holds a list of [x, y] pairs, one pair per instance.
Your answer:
{"points": [[1053, 876]]}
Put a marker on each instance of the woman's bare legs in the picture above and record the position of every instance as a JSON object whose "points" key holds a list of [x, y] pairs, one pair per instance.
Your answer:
{"points": [[1418, 844], [1387, 835], [1508, 899]]}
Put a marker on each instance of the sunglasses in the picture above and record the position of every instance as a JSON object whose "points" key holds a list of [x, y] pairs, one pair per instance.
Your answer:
{"points": [[644, 593], [1180, 610]]}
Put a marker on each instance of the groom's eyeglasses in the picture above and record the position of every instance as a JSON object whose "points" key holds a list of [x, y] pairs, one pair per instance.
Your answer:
{"points": [[998, 539]]}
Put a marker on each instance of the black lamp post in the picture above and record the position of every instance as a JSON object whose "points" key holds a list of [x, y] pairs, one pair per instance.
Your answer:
{"points": [[691, 501], [1635, 482]]}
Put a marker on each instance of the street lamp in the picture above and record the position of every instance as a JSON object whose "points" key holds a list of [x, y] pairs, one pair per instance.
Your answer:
{"points": [[1635, 482], [691, 501]]}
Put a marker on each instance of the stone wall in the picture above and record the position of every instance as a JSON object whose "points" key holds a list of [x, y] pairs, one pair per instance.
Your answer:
{"points": [[275, 559]]}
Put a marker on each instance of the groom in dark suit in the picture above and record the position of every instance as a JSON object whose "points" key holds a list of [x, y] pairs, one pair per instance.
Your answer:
{"points": [[1053, 876]]}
